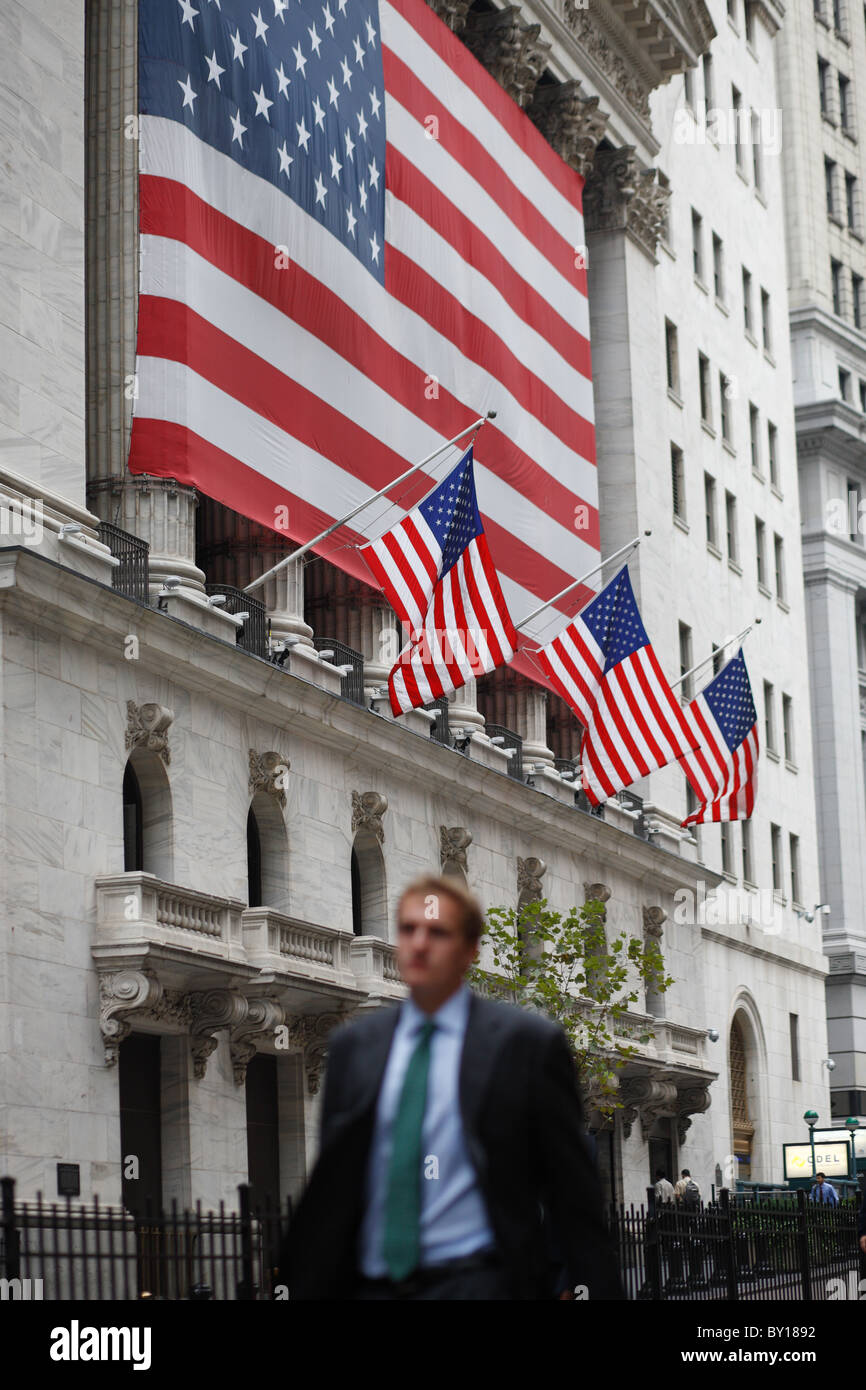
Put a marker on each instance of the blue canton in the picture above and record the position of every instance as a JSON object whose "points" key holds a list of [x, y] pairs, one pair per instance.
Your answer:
{"points": [[452, 513], [729, 696], [614, 621], [292, 92]]}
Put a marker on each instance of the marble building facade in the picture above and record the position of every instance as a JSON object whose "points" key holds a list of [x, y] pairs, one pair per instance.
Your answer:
{"points": [[204, 849]]}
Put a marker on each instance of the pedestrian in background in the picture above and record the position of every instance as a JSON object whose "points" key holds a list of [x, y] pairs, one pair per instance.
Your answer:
{"points": [[663, 1188], [824, 1191]]}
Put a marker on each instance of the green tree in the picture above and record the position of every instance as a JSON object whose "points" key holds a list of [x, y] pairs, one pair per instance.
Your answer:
{"points": [[563, 966]]}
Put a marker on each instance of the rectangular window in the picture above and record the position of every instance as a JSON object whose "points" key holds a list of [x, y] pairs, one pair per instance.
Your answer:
{"points": [[788, 732], [779, 565], [747, 300], [718, 269], [857, 300], [732, 11], [844, 384], [773, 453], [736, 106], [757, 166], [769, 717], [851, 203], [678, 482], [697, 244], [725, 403], [844, 102], [839, 17], [672, 356], [836, 282], [685, 642], [759, 551], [754, 437], [823, 68], [830, 186], [727, 849], [854, 513], [705, 389], [863, 396], [776, 851], [707, 63], [746, 846], [689, 87], [750, 23], [794, 1027], [710, 508], [765, 322], [731, 526]]}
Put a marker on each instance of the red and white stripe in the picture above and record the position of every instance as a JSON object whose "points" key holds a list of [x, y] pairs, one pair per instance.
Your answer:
{"points": [[313, 385], [633, 723], [725, 783]]}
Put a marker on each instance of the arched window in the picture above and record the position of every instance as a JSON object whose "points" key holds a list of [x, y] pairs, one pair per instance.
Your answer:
{"points": [[147, 823], [369, 896], [267, 854], [741, 1124]]}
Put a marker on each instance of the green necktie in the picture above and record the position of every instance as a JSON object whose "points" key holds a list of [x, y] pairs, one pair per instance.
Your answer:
{"points": [[402, 1241]]}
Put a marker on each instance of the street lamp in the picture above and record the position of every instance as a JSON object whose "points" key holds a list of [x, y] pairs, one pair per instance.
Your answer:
{"points": [[811, 1118], [852, 1124]]}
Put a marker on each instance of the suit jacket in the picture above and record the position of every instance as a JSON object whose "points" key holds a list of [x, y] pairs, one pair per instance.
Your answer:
{"points": [[523, 1123]]}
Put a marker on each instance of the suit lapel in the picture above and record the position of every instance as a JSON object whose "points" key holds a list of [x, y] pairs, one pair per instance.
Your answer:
{"points": [[371, 1062], [484, 1036]]}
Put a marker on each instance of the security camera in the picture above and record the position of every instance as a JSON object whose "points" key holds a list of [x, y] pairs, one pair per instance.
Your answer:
{"points": [[172, 581], [713, 1034], [217, 601], [243, 616], [70, 529], [829, 1064]]}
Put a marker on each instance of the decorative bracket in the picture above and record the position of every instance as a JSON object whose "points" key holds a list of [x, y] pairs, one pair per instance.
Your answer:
{"points": [[269, 771], [263, 1017], [212, 1010], [368, 808], [121, 993], [147, 727], [453, 844]]}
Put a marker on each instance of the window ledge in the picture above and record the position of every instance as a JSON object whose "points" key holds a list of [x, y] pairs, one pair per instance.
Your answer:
{"points": [[743, 175], [666, 246], [726, 873], [704, 288], [792, 767], [726, 444], [750, 48], [843, 38], [849, 133], [751, 337], [777, 491], [772, 754], [677, 399], [732, 24], [836, 220], [714, 550], [708, 429], [749, 885], [783, 604], [735, 566], [756, 473], [856, 234], [769, 357], [762, 589], [761, 196], [779, 897], [722, 307], [829, 120], [682, 523]]}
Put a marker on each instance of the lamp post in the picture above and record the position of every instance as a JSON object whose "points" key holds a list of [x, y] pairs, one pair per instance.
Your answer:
{"points": [[852, 1124], [811, 1118]]}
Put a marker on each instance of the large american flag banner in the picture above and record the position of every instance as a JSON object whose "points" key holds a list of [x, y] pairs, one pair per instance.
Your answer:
{"points": [[722, 769], [435, 569], [605, 668], [353, 244]]}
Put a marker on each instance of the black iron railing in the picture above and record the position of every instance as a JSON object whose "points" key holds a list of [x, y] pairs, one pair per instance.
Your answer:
{"points": [[508, 740], [352, 687], [440, 729], [786, 1248], [252, 636], [57, 1251], [131, 576]]}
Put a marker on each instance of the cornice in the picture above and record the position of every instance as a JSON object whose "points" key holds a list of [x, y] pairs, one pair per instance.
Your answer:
{"points": [[793, 956], [40, 591]]}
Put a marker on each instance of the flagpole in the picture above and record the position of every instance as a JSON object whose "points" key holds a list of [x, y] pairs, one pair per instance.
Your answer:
{"points": [[739, 637], [583, 578], [296, 554]]}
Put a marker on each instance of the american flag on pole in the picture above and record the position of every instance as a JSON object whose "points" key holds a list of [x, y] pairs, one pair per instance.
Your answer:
{"points": [[723, 768], [353, 244], [436, 572], [605, 668]]}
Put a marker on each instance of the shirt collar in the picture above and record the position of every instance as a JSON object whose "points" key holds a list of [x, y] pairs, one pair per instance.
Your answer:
{"points": [[451, 1017]]}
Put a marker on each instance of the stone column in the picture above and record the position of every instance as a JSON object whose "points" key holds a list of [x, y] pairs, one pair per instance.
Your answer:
{"points": [[159, 510], [463, 711], [532, 725], [237, 550], [654, 919]]}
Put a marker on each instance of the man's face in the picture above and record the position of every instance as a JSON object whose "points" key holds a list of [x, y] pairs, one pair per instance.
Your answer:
{"points": [[432, 952], [820, 1179]]}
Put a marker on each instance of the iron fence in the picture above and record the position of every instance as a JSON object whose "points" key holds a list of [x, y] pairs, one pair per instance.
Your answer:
{"points": [[440, 729], [352, 682], [61, 1251], [252, 636], [786, 1248], [508, 740], [131, 576]]}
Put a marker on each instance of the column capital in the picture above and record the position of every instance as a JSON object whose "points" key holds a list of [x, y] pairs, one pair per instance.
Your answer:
{"points": [[569, 121], [511, 50], [621, 194]]}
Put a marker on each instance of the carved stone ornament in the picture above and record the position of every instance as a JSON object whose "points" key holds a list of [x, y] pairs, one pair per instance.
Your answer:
{"points": [[368, 808], [310, 1034], [654, 919], [596, 892], [584, 24], [263, 1017], [530, 872], [453, 844], [451, 12], [268, 772], [623, 195], [212, 1010], [510, 49], [147, 727], [569, 121], [121, 993], [646, 1098], [693, 1101]]}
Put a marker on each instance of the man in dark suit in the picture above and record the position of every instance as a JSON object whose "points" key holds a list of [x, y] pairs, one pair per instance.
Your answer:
{"points": [[454, 1161]]}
